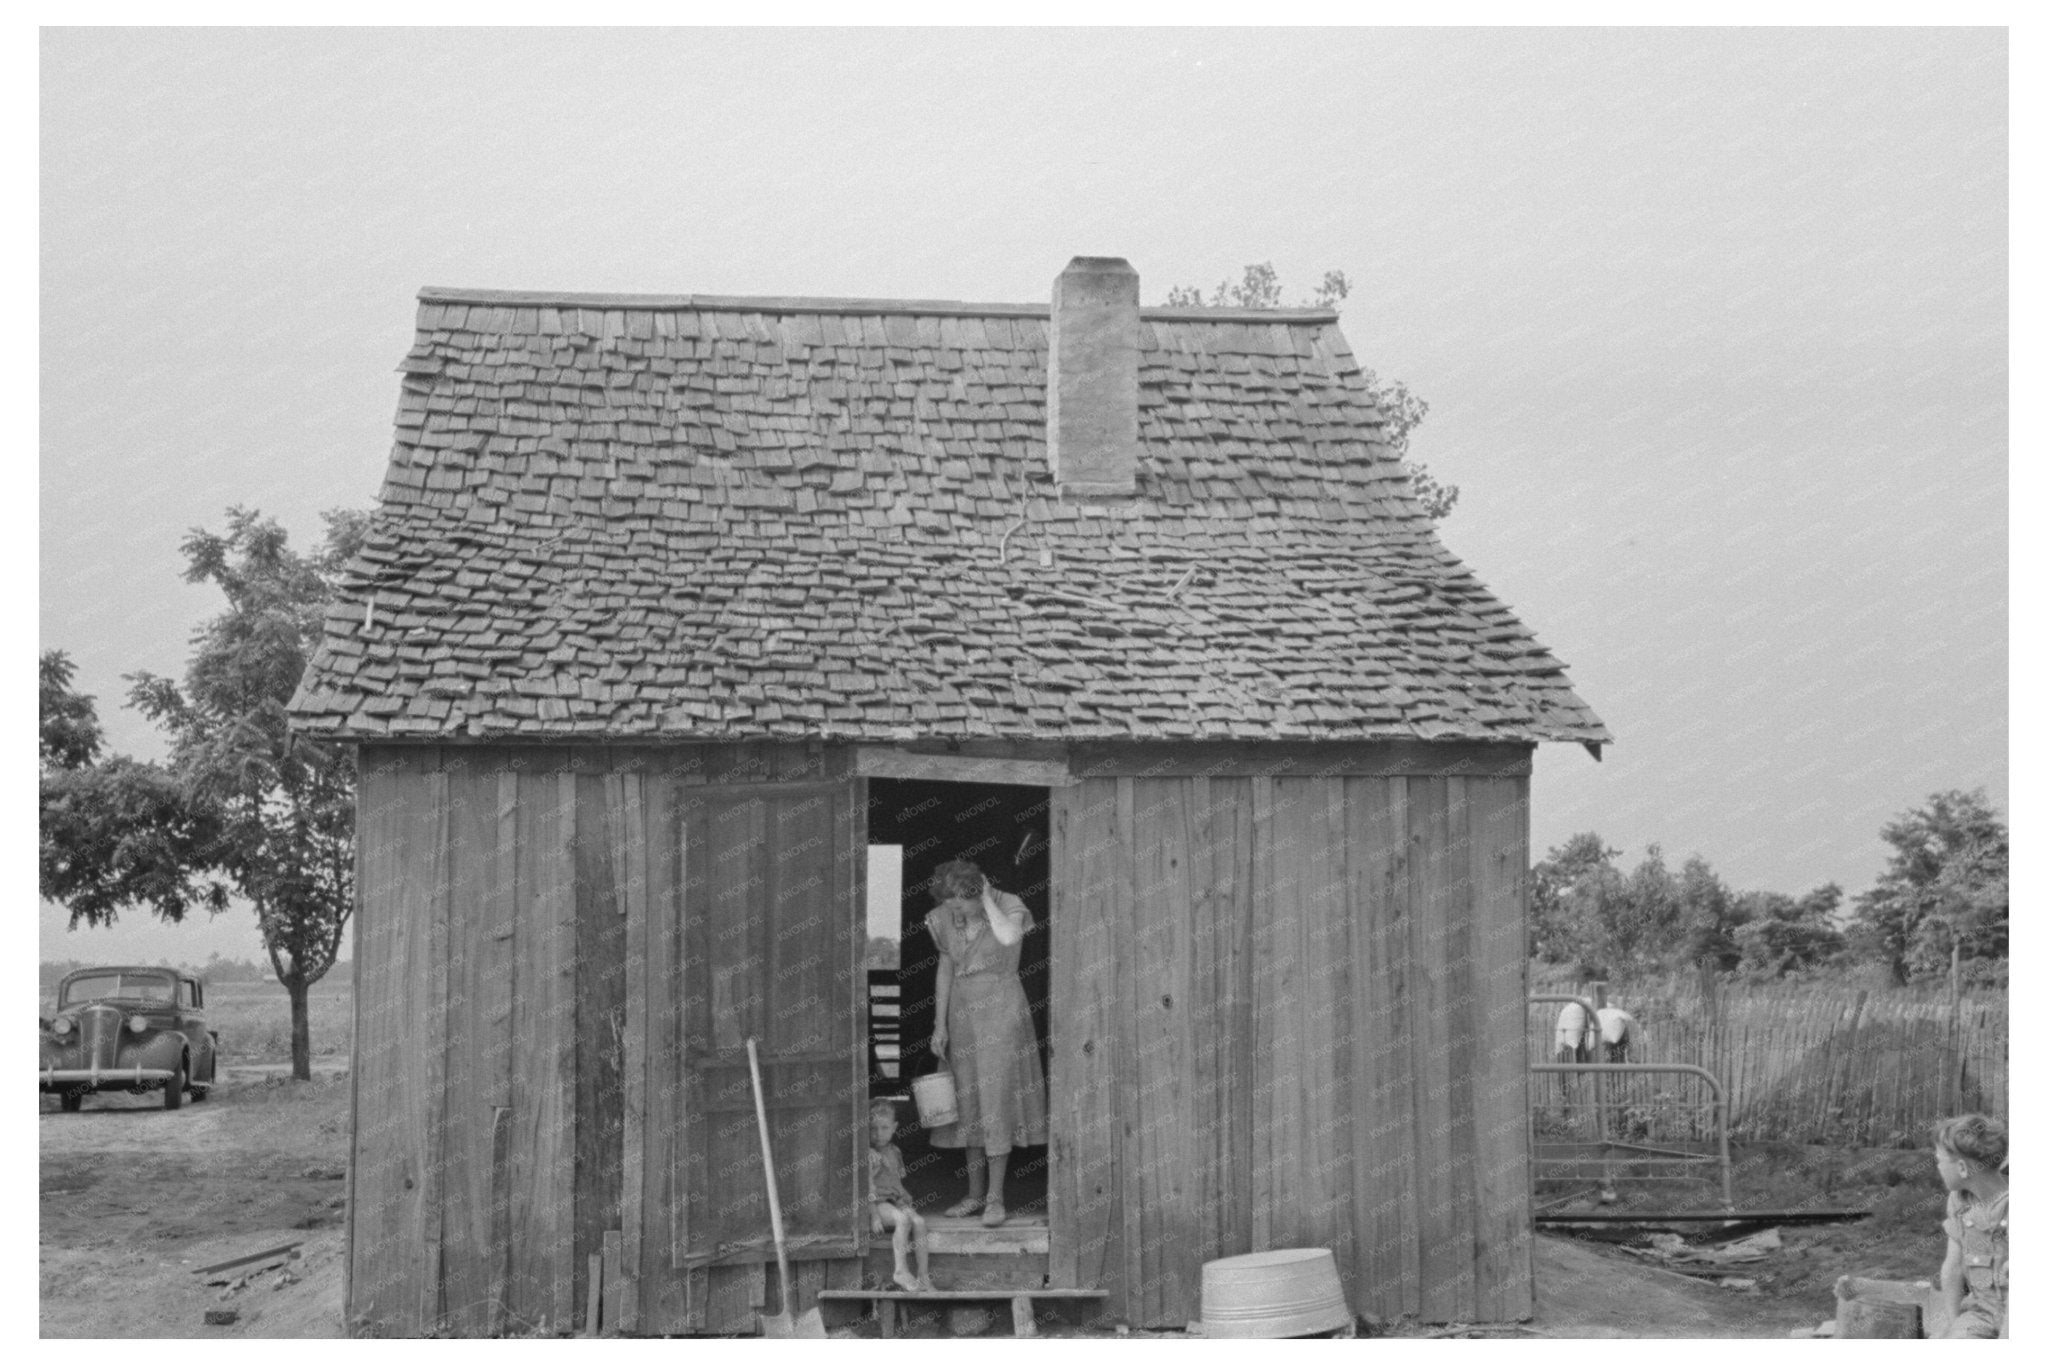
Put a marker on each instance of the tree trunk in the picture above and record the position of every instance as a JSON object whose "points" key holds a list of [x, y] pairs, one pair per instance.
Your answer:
{"points": [[302, 1028]]}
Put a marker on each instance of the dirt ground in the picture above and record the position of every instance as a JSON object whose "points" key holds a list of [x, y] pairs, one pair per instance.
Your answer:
{"points": [[135, 1198]]}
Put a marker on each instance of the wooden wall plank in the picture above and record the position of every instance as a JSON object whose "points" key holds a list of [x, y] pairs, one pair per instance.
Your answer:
{"points": [[1446, 1247], [434, 987], [1159, 1096], [632, 875], [1268, 961], [850, 998], [1226, 1037], [497, 966], [468, 1146], [1082, 1189], [542, 1280], [1317, 759], [1284, 999], [1464, 1014], [693, 1008], [385, 1262], [599, 1022], [1126, 1226], [1502, 1256], [663, 1307], [1328, 1028], [1383, 1129]]}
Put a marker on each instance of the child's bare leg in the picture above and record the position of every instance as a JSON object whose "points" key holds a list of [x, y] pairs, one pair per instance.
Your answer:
{"points": [[899, 1242], [924, 1256]]}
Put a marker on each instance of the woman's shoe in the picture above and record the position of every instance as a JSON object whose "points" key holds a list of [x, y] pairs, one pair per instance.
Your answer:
{"points": [[965, 1208], [994, 1214]]}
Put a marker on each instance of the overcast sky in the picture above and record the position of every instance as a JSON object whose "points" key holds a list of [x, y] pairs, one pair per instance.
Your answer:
{"points": [[1712, 324]]}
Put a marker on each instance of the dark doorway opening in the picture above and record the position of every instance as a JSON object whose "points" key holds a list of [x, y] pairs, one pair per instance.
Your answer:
{"points": [[1005, 830]]}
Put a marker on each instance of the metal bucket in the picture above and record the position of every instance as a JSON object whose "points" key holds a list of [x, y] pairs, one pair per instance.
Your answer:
{"points": [[937, 1102], [1273, 1294]]}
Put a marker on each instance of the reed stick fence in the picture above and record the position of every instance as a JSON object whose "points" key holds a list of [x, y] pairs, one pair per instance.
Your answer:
{"points": [[1845, 1067]]}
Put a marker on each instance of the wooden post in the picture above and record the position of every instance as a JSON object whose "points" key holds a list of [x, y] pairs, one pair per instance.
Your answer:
{"points": [[1849, 1058], [1952, 1056], [593, 1293], [1600, 1091], [610, 1303]]}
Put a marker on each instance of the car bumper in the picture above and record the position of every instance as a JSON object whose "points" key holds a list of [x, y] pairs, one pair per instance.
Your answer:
{"points": [[94, 1078]]}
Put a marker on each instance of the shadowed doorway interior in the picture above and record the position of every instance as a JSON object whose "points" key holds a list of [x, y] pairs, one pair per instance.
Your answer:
{"points": [[913, 826]]}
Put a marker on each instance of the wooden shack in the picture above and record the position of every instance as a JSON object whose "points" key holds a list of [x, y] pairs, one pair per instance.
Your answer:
{"points": [[673, 607]]}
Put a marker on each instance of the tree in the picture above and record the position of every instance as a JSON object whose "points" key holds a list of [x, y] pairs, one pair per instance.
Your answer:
{"points": [[1779, 936], [69, 736], [1401, 410], [1567, 889], [243, 803], [112, 833], [1707, 917], [1644, 927], [1945, 891]]}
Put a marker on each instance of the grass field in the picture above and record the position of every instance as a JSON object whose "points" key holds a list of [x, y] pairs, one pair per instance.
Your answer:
{"points": [[254, 1018]]}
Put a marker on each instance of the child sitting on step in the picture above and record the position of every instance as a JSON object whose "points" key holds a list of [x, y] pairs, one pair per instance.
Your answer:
{"points": [[890, 1204]]}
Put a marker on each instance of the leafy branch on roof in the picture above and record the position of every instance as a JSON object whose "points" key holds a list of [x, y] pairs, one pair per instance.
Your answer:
{"points": [[1402, 410]]}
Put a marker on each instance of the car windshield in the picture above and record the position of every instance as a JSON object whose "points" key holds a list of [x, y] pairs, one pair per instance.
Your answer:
{"points": [[118, 986]]}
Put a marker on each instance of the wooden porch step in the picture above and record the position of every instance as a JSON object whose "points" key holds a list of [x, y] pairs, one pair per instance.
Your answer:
{"points": [[1023, 1320], [1024, 1235]]}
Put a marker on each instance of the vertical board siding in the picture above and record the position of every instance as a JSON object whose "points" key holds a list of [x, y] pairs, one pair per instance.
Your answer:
{"points": [[600, 1021], [769, 956], [1384, 1162], [1287, 1012], [479, 997], [1446, 1246], [1462, 1006], [1328, 1013], [1161, 1098], [387, 1260], [1227, 1005], [1340, 1065], [1265, 945], [1497, 816], [1083, 1179], [541, 1281], [629, 850]]}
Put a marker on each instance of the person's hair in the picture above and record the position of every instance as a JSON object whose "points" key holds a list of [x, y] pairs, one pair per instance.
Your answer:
{"points": [[1974, 1138], [882, 1107], [957, 879]]}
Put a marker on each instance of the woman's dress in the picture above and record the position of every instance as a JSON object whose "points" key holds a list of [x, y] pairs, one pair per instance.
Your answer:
{"points": [[991, 1047]]}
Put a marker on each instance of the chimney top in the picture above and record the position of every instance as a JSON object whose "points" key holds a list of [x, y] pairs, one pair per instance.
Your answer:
{"points": [[1091, 419]]}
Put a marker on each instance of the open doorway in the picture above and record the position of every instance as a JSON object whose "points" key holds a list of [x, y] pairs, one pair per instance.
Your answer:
{"points": [[913, 826]]}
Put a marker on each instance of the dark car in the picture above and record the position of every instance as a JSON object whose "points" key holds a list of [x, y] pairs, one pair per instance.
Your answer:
{"points": [[129, 1028]]}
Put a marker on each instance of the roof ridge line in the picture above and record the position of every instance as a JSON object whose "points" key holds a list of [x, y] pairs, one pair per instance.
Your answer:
{"points": [[734, 303]]}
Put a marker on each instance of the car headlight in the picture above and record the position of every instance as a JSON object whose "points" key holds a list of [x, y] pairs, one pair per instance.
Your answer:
{"points": [[60, 1026], [137, 1023]]}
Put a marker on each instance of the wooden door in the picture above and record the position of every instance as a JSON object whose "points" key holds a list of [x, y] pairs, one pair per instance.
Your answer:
{"points": [[771, 951]]}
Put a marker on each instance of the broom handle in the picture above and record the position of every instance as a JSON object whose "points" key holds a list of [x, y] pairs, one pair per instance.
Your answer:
{"points": [[768, 1165]]}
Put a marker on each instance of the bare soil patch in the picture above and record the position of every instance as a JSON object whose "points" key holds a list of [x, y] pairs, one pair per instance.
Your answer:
{"points": [[135, 1197]]}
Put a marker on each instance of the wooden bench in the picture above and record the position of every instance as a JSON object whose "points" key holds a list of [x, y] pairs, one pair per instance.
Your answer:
{"points": [[1022, 1319]]}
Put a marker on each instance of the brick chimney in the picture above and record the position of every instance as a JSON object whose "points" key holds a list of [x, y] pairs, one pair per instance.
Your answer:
{"points": [[1091, 383]]}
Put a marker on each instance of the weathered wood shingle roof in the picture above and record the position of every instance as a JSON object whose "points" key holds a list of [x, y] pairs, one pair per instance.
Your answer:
{"points": [[727, 518]]}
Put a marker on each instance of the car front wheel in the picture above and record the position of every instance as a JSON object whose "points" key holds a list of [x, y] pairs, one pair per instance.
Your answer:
{"points": [[174, 1088]]}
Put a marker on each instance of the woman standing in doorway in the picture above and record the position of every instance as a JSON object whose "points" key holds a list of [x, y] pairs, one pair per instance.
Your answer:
{"points": [[984, 1031]]}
